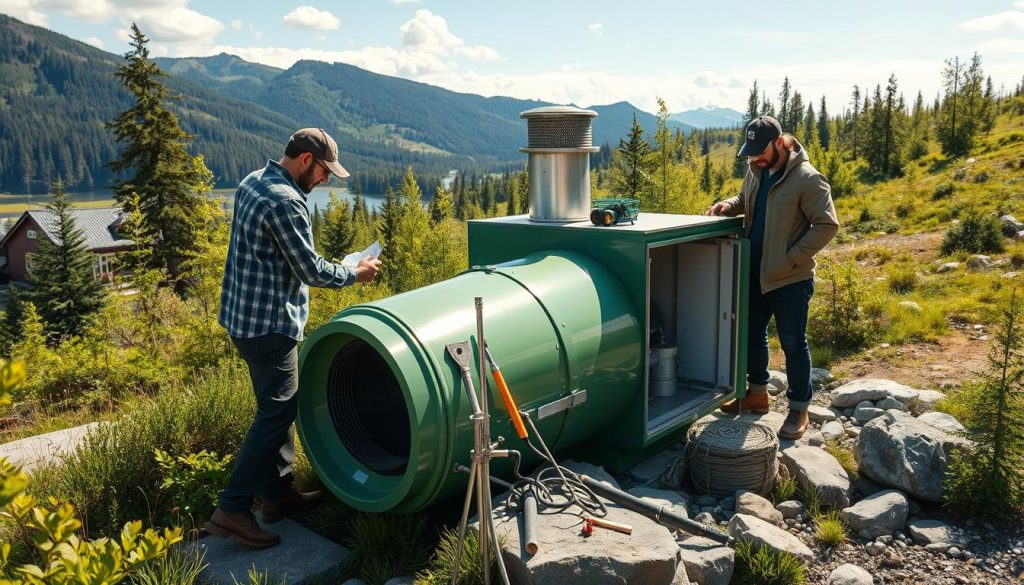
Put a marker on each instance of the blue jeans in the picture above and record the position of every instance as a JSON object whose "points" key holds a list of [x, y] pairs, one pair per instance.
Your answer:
{"points": [[789, 305], [264, 463]]}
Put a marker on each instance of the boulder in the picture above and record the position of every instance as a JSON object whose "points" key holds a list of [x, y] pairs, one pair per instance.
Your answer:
{"points": [[592, 471], [925, 532], [814, 467], [790, 508], [890, 403], [777, 383], [754, 505], [979, 262], [746, 528], [865, 414], [707, 562], [850, 575], [564, 556], [879, 514], [947, 267], [820, 414], [941, 420], [898, 450], [669, 501], [833, 431], [926, 400], [821, 377], [852, 393], [1010, 226], [650, 469]]}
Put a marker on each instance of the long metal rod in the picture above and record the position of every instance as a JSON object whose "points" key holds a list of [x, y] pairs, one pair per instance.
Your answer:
{"points": [[462, 524], [656, 513], [481, 449]]}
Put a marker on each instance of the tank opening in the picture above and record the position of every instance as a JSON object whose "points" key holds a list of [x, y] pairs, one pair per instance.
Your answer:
{"points": [[368, 409]]}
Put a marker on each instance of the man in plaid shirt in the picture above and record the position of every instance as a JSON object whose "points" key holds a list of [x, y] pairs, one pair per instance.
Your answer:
{"points": [[264, 306]]}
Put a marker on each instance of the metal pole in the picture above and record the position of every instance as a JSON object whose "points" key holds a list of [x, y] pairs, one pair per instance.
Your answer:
{"points": [[482, 448]]}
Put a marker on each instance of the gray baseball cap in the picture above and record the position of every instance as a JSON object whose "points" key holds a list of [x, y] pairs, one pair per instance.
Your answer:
{"points": [[760, 132], [319, 143]]}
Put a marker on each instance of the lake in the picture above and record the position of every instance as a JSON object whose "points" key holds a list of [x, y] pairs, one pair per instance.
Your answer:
{"points": [[12, 206]]}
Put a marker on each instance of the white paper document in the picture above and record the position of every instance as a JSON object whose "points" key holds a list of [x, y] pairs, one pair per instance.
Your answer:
{"points": [[353, 259]]}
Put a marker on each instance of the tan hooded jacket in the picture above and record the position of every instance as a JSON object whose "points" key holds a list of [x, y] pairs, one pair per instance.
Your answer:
{"points": [[799, 221]]}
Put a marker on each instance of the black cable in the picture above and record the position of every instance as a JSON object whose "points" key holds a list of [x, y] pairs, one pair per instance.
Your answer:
{"points": [[555, 487]]}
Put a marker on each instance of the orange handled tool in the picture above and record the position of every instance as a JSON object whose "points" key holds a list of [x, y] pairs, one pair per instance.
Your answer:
{"points": [[506, 396]]}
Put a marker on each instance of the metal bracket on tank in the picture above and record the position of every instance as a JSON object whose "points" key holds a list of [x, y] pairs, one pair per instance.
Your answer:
{"points": [[571, 401]]}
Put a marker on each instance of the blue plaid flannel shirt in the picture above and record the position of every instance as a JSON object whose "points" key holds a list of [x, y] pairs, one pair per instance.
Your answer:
{"points": [[271, 259]]}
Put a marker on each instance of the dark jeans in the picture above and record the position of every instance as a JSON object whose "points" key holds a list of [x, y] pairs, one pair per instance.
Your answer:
{"points": [[264, 463], [789, 305]]}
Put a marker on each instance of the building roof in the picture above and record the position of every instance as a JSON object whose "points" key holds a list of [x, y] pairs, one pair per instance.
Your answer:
{"points": [[95, 223]]}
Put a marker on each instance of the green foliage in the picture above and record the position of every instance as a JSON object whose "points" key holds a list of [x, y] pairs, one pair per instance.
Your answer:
{"points": [[975, 234], [110, 476], [821, 357], [64, 290], [837, 319], [785, 489], [14, 314], [192, 482], [966, 108], [830, 529], [763, 565], [988, 481], [442, 563], [387, 545], [336, 232], [844, 456], [168, 181], [181, 566], [630, 167], [902, 279], [255, 577]]}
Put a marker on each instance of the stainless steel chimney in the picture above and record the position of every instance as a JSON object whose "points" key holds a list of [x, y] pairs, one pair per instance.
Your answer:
{"points": [[560, 142]]}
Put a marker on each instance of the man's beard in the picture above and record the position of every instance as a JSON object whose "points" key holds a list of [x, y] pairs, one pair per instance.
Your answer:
{"points": [[305, 180]]}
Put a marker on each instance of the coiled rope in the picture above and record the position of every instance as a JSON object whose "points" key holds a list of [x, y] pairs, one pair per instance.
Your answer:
{"points": [[726, 455]]}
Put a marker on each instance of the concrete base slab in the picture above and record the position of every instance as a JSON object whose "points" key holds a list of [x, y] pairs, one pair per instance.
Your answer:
{"points": [[302, 558]]}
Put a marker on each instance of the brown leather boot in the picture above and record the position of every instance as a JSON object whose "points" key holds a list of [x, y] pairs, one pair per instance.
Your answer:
{"points": [[243, 527], [795, 424], [295, 501], [756, 401]]}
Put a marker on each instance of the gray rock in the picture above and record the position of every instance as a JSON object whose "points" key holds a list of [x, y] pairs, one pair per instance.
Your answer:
{"points": [[849, 575], [926, 400], [400, 581], [706, 561], [706, 519], [665, 500], [939, 548], [649, 555], [979, 262], [821, 377], [816, 468], [820, 414], [865, 486], [947, 267], [943, 421], [750, 529], [650, 469], [865, 414], [853, 432], [777, 383], [302, 557], [707, 501], [833, 431], [851, 393], [1010, 225], [879, 514], [898, 450], [681, 578], [790, 508], [754, 505], [889, 402], [925, 532], [874, 548], [592, 471], [813, 437], [32, 453]]}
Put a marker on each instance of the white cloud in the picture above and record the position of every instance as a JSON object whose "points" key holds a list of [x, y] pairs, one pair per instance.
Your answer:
{"points": [[310, 17], [175, 25], [89, 10], [236, 24], [255, 32], [1009, 20], [596, 29], [478, 53], [94, 41], [428, 32], [1018, 5], [1001, 46]]}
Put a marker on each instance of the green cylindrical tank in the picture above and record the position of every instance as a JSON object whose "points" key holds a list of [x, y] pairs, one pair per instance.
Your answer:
{"points": [[383, 415]]}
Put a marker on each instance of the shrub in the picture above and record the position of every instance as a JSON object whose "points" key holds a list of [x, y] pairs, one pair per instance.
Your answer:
{"points": [[974, 234], [763, 565], [821, 357], [881, 224], [829, 529], [784, 490], [943, 191], [902, 279], [837, 319], [442, 563], [181, 566], [191, 483], [387, 545]]}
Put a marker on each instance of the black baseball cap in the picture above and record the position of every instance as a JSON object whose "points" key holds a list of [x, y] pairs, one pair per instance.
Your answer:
{"points": [[760, 132], [320, 144]]}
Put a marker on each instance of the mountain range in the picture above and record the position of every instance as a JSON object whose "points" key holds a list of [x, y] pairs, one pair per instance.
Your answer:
{"points": [[57, 94], [710, 118]]}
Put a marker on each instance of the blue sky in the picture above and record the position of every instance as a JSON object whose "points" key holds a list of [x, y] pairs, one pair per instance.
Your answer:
{"points": [[691, 54]]}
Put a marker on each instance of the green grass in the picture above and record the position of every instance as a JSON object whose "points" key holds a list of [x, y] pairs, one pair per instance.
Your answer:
{"points": [[181, 566], [844, 456], [785, 490], [763, 565], [829, 529], [385, 546], [442, 563]]}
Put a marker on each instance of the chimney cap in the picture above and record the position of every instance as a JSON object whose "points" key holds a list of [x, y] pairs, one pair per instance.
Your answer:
{"points": [[558, 112]]}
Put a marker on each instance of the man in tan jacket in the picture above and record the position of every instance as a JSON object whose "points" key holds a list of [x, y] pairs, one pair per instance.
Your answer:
{"points": [[788, 216]]}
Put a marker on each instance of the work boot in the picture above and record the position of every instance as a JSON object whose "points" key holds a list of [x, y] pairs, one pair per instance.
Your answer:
{"points": [[756, 401], [243, 527], [795, 424], [295, 501]]}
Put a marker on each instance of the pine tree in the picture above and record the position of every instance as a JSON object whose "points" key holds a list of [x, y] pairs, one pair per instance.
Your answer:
{"points": [[336, 230], [824, 132], [796, 114], [513, 195], [706, 175], [809, 132], [388, 217], [784, 105], [854, 127], [14, 315], [167, 179], [663, 195], [990, 480], [410, 238], [630, 173], [64, 289], [442, 208]]}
